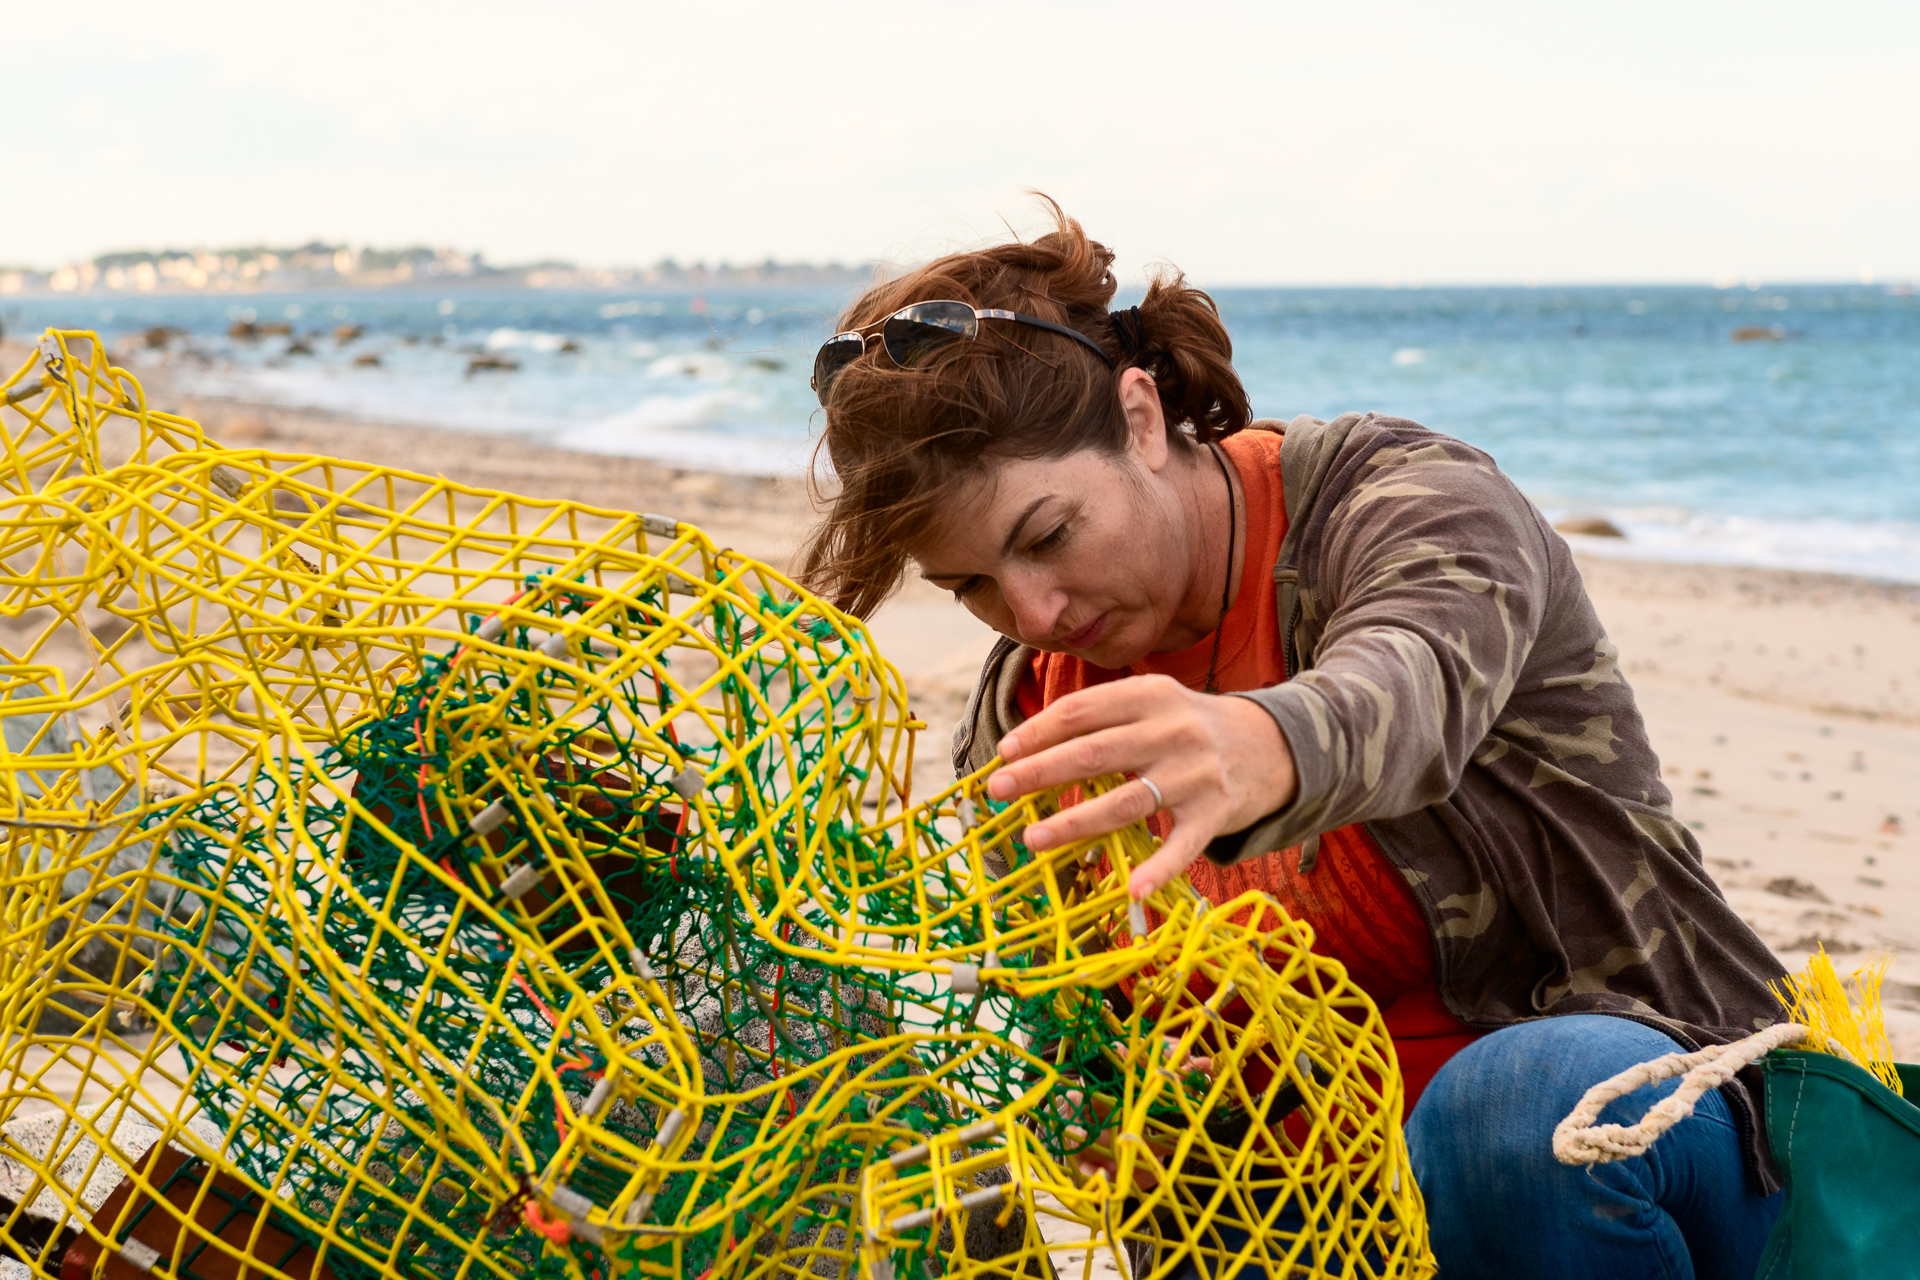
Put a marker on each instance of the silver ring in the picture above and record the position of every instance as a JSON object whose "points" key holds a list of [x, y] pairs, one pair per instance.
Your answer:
{"points": [[1159, 801]]}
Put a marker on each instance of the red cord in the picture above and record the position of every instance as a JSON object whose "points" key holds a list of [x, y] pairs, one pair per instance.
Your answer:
{"points": [[780, 1005], [571, 1064], [420, 779], [558, 1232], [538, 1003], [679, 834]]}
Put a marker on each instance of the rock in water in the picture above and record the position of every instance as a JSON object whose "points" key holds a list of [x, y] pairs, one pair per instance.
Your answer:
{"points": [[1591, 526]]}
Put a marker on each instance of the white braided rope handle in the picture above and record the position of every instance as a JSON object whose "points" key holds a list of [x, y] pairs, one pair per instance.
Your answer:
{"points": [[1578, 1140]]}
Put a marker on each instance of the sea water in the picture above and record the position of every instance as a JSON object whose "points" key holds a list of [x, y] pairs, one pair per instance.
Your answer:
{"points": [[1798, 446]]}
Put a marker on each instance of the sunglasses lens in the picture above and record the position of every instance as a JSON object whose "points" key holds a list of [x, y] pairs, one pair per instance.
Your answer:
{"points": [[912, 333], [836, 353]]}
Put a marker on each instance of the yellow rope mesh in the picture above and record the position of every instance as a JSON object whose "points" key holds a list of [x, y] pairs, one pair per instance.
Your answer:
{"points": [[403, 878], [1853, 1022]]}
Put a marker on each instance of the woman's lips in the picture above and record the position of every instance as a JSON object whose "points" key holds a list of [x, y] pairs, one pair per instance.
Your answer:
{"points": [[1085, 636]]}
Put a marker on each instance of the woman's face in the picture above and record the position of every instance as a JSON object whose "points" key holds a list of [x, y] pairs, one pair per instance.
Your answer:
{"points": [[1086, 554]]}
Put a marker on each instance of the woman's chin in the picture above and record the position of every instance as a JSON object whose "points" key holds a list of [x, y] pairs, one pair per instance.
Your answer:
{"points": [[1113, 650]]}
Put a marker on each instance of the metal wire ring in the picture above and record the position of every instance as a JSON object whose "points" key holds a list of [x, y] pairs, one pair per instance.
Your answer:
{"points": [[1159, 801]]}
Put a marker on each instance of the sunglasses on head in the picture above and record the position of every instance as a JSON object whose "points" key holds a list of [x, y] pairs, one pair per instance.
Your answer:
{"points": [[911, 333]]}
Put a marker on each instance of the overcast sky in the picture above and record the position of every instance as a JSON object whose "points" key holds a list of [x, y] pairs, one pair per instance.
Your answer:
{"points": [[1259, 143]]}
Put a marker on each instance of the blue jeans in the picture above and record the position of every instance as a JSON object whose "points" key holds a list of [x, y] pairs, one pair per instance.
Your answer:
{"points": [[1501, 1206]]}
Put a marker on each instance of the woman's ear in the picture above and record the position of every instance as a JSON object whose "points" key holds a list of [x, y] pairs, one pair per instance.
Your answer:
{"points": [[1146, 420]]}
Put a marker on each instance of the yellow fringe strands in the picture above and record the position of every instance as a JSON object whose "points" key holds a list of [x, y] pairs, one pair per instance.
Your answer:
{"points": [[1818, 1000], [402, 878]]}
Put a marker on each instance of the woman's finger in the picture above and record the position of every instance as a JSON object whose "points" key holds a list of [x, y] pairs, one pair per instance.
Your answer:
{"points": [[1121, 807], [1090, 710], [1169, 860], [1114, 750]]}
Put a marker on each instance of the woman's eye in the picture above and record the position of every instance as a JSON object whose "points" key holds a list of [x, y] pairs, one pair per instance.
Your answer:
{"points": [[1050, 542], [966, 588]]}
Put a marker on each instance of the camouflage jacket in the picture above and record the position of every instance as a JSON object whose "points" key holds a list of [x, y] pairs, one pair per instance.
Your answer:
{"points": [[1452, 688]]}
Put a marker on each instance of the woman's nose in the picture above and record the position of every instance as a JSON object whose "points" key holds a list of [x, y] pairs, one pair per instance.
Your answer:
{"points": [[1036, 610]]}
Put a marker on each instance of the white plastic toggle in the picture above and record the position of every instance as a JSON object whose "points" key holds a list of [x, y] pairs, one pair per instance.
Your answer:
{"points": [[521, 879], [641, 969], [569, 1201], [598, 1099], [664, 526], [984, 1197], [966, 979], [1137, 922], [689, 782], [979, 1131], [670, 1126], [491, 628], [911, 1221], [139, 1254], [555, 646], [488, 820]]}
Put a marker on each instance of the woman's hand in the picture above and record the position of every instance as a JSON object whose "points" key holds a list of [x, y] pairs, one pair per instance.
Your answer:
{"points": [[1221, 764]]}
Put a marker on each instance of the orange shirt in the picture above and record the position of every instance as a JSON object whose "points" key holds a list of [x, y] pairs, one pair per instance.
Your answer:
{"points": [[1362, 912]]}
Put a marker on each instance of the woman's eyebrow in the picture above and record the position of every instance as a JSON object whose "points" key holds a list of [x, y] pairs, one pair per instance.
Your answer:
{"points": [[1013, 534]]}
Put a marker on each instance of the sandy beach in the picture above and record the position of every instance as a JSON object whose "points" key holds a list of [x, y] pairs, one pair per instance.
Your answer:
{"points": [[1785, 707]]}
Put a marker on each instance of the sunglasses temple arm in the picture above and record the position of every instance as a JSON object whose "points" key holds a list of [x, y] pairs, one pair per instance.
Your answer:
{"points": [[1038, 323]]}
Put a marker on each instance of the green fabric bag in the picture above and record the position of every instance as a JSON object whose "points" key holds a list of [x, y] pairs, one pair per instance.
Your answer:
{"points": [[1850, 1147]]}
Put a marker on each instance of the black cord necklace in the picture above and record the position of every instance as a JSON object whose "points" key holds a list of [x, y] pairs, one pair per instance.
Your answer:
{"points": [[1233, 534]]}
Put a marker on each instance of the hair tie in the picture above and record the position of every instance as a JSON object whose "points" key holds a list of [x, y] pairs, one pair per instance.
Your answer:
{"points": [[1128, 330]]}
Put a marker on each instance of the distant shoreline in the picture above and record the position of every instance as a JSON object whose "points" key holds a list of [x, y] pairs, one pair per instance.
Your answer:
{"points": [[77, 282], [27, 284]]}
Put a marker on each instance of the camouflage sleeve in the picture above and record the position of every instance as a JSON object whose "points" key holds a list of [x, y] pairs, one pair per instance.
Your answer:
{"points": [[1425, 590]]}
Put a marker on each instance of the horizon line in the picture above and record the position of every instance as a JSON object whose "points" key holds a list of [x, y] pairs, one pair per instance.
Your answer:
{"points": [[504, 282]]}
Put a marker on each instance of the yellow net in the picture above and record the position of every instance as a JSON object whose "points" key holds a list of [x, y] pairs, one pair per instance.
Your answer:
{"points": [[1851, 1023], [403, 878]]}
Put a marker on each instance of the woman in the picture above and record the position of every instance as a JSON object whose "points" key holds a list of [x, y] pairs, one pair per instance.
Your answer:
{"points": [[1346, 663]]}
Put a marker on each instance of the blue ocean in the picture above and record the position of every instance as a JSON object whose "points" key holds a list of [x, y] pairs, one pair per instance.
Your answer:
{"points": [[1797, 445]]}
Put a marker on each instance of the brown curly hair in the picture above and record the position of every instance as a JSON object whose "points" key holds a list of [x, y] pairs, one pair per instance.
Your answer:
{"points": [[903, 442]]}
